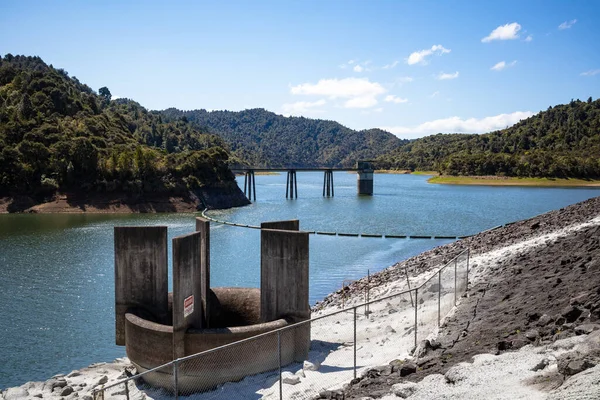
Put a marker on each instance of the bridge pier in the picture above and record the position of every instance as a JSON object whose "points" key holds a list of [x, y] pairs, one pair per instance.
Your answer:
{"points": [[291, 186], [250, 184], [364, 180], [328, 183]]}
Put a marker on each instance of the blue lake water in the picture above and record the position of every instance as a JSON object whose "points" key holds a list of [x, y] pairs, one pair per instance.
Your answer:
{"points": [[57, 270]]}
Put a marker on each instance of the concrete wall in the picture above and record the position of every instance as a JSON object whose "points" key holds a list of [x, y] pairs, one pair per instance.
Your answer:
{"points": [[284, 274], [141, 277], [203, 227], [290, 225], [186, 288]]}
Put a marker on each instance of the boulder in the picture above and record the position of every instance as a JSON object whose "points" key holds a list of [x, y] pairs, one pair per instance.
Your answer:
{"points": [[16, 393], [311, 366], [290, 379], [408, 368], [67, 390], [544, 320], [586, 329], [571, 313], [404, 389]]}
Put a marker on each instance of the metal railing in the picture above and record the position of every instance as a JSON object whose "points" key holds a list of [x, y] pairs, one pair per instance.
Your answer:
{"points": [[342, 345]]}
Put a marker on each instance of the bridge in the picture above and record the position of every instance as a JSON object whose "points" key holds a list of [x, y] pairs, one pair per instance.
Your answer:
{"points": [[364, 182]]}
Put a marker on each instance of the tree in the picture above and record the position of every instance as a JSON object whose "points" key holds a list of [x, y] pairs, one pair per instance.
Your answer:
{"points": [[105, 93]]}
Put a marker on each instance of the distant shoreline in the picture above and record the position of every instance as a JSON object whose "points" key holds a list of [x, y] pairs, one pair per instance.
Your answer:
{"points": [[512, 181]]}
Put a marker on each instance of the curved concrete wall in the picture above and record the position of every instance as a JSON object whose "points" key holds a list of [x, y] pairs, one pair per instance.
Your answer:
{"points": [[235, 305]]}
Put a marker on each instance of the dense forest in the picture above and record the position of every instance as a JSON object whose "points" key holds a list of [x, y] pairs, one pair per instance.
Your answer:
{"points": [[57, 134], [264, 139], [563, 142]]}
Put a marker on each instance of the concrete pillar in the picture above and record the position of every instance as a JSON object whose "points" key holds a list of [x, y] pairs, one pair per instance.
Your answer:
{"points": [[290, 225], [141, 275], [187, 289], [364, 181], [203, 226], [284, 274]]}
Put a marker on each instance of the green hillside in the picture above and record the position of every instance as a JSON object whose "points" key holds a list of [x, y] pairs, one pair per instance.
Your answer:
{"points": [[57, 134], [561, 142], [265, 139]]}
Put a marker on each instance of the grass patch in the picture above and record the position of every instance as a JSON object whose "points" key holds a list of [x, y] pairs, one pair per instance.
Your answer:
{"points": [[392, 171], [434, 173], [510, 181]]}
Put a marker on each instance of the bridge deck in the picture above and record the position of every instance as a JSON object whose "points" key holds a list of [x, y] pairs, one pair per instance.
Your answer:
{"points": [[234, 170]]}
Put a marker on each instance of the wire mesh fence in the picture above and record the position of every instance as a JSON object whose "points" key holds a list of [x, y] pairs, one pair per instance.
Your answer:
{"points": [[302, 360]]}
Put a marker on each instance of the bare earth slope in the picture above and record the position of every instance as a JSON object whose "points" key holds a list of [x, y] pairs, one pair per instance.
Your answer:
{"points": [[532, 282]]}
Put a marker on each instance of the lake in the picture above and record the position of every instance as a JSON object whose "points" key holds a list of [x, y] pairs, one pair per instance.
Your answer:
{"points": [[57, 270]]}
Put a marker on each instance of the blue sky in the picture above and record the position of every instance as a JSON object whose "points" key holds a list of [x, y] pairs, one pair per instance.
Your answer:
{"points": [[412, 67]]}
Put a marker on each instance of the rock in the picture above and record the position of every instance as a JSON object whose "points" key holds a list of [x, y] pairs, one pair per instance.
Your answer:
{"points": [[389, 330], [301, 373], [559, 320], [289, 378], [57, 383], [87, 397], [74, 374], [102, 380], [544, 320], [404, 389], [331, 394], [16, 393], [579, 300], [532, 334], [535, 225], [541, 365], [571, 313], [408, 368], [577, 366], [586, 329], [392, 311], [67, 390], [309, 366]]}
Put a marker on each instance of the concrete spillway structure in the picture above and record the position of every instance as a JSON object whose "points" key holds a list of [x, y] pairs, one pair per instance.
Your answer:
{"points": [[157, 327]]}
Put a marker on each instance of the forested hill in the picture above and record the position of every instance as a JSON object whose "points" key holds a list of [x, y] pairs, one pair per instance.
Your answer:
{"points": [[57, 134], [265, 139], [563, 141]]}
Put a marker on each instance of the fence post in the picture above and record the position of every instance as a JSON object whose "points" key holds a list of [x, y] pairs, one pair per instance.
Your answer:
{"points": [[279, 362], [175, 379], [455, 279], [468, 256], [439, 297], [416, 307], [354, 342]]}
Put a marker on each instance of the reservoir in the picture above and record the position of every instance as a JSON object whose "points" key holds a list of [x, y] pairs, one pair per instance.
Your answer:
{"points": [[57, 270]]}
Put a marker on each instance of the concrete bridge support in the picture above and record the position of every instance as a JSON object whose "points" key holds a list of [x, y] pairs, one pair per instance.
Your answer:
{"points": [[328, 183], [291, 187], [250, 184], [364, 178]]}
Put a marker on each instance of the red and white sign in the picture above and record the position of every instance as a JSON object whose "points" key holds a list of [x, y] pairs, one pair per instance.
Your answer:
{"points": [[188, 306]]}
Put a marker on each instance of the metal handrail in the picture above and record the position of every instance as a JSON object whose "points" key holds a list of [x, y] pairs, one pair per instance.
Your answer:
{"points": [[298, 324]]}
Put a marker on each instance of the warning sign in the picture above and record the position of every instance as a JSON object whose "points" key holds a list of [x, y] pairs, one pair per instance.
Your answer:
{"points": [[188, 306]]}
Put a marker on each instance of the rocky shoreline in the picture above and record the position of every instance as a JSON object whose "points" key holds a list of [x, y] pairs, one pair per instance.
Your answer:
{"points": [[218, 196]]}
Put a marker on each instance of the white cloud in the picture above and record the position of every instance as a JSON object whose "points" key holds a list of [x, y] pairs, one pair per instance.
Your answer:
{"points": [[567, 24], [419, 57], [442, 76], [502, 64], [391, 98], [405, 79], [434, 94], [302, 107], [361, 102], [358, 68], [459, 125], [591, 72], [503, 32], [351, 62], [390, 66], [529, 38], [359, 92]]}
